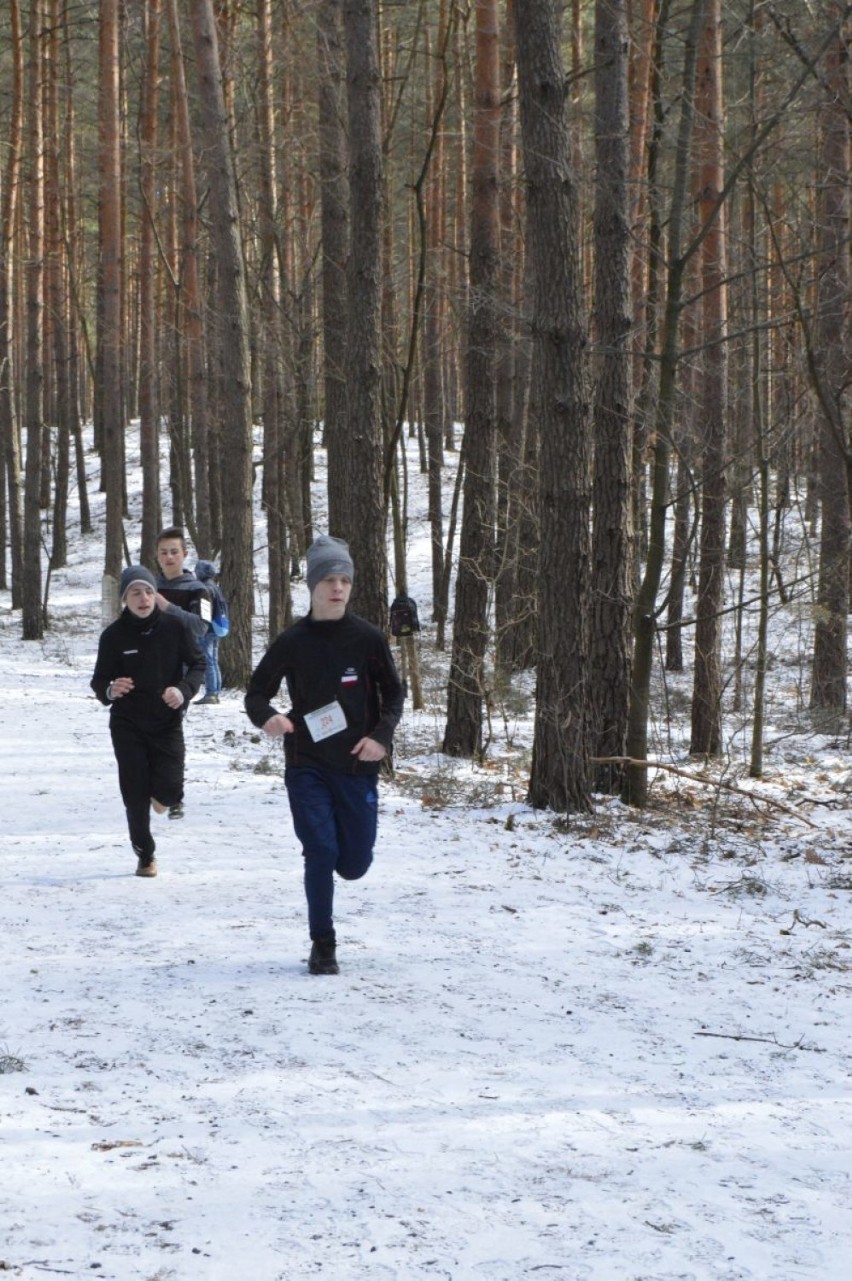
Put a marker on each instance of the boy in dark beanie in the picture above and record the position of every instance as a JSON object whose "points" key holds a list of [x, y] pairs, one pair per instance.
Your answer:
{"points": [[346, 699], [147, 670]]}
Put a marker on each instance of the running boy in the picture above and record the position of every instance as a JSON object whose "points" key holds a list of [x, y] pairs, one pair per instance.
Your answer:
{"points": [[346, 699], [148, 669], [181, 594], [178, 590]]}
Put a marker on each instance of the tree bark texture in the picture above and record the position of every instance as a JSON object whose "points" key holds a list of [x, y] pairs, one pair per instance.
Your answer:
{"points": [[56, 300], [560, 767], [334, 200], [467, 680], [829, 680], [434, 324], [706, 738], [612, 571], [364, 529], [31, 605], [197, 504], [645, 610], [110, 285], [149, 418], [10, 461], [270, 340], [232, 351]]}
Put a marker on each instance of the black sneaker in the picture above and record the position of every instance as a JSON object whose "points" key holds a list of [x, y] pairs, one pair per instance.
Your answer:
{"points": [[176, 811], [323, 957], [207, 701]]}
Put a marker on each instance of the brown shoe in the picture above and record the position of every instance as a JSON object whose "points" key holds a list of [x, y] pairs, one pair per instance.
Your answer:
{"points": [[158, 807], [146, 867]]}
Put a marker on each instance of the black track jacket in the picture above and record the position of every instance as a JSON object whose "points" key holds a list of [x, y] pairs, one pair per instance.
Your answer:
{"points": [[157, 652], [345, 660]]}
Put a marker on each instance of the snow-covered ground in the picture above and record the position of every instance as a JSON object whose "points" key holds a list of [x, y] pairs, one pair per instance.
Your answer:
{"points": [[611, 1048]]}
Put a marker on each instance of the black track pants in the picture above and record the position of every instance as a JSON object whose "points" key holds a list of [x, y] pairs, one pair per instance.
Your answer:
{"points": [[149, 764]]}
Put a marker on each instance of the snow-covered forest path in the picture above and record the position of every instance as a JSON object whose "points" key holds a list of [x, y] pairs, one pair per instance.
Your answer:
{"points": [[613, 1051]]}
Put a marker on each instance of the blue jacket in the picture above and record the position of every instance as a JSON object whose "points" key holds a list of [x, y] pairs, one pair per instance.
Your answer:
{"points": [[205, 572]]}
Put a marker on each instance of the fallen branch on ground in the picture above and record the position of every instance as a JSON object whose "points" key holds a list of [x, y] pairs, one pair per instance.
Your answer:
{"points": [[707, 782], [798, 919], [764, 1040]]}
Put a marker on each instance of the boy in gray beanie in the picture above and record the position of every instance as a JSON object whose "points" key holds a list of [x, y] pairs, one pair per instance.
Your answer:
{"points": [[135, 574], [328, 555], [148, 669], [345, 701]]}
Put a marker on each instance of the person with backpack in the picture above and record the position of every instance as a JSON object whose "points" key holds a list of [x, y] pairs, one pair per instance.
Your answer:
{"points": [[218, 627], [148, 669], [346, 699]]}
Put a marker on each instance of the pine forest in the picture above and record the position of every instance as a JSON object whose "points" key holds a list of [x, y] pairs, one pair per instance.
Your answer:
{"points": [[596, 252]]}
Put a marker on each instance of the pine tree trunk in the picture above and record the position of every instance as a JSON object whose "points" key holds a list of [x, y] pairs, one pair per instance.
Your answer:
{"points": [[110, 287], [829, 678], [232, 350], [644, 624], [365, 528], [467, 682], [10, 457], [706, 738], [270, 341], [334, 196], [77, 332], [197, 505], [559, 777], [434, 337], [149, 418], [510, 601], [612, 576], [31, 603]]}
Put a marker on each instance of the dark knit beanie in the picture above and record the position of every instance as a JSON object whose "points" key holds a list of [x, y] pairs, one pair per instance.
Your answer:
{"points": [[205, 570], [136, 574], [328, 555]]}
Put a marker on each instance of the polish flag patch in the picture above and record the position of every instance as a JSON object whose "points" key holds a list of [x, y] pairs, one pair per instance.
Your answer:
{"points": [[349, 677]]}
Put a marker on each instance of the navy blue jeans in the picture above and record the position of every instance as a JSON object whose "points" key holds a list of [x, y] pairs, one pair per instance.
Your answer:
{"points": [[212, 675], [335, 817]]}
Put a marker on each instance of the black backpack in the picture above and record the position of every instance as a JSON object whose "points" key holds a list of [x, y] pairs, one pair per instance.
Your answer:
{"points": [[403, 617]]}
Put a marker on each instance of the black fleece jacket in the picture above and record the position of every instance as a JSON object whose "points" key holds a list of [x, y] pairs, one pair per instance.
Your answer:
{"points": [[347, 661], [157, 652]]}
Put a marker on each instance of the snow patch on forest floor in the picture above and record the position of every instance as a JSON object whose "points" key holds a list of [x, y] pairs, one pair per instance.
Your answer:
{"points": [[611, 1047]]}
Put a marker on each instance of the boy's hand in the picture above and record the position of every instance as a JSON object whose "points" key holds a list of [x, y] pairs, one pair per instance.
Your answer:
{"points": [[278, 725], [367, 749], [119, 687], [172, 697]]}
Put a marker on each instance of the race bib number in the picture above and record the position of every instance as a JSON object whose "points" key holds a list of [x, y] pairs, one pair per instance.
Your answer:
{"points": [[206, 609], [325, 721]]}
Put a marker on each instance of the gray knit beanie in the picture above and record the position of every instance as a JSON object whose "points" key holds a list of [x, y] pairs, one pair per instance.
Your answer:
{"points": [[136, 574], [328, 555]]}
